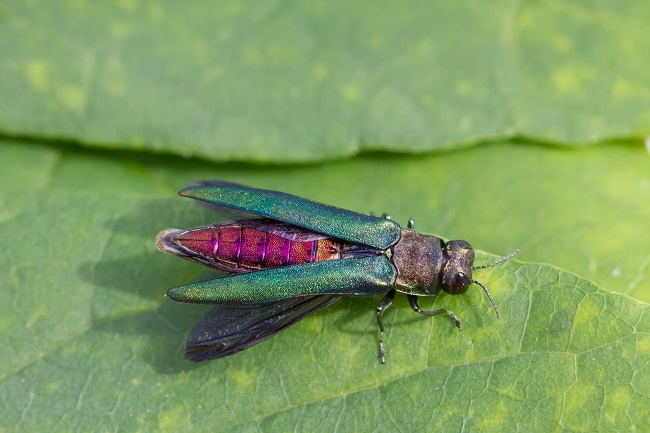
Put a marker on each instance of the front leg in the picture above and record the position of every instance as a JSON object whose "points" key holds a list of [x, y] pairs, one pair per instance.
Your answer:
{"points": [[413, 300]]}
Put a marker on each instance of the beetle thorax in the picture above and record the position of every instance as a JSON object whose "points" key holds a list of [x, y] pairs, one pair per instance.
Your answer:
{"points": [[418, 259]]}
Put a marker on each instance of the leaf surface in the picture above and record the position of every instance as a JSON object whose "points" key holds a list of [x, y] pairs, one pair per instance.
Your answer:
{"points": [[322, 80], [93, 346]]}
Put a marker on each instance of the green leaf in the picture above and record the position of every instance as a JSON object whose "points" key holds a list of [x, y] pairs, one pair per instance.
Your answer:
{"points": [[322, 80], [91, 344]]}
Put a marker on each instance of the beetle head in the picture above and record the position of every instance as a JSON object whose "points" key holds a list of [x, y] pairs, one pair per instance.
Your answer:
{"points": [[456, 275]]}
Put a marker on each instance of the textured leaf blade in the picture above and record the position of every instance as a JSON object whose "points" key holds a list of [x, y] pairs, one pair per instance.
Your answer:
{"points": [[316, 81], [92, 345]]}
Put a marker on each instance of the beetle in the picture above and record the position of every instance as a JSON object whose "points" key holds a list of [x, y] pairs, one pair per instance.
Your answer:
{"points": [[289, 257]]}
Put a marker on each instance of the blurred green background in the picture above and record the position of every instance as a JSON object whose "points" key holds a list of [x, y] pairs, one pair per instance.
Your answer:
{"points": [[508, 124]]}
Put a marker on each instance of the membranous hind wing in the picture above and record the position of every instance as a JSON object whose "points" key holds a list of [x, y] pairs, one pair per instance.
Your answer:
{"points": [[228, 328]]}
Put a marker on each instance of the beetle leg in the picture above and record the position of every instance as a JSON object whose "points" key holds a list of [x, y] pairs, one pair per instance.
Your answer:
{"points": [[385, 215], [383, 305], [411, 224], [413, 300]]}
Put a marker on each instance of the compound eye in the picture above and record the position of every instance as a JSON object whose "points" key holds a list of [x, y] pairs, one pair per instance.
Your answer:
{"points": [[460, 283]]}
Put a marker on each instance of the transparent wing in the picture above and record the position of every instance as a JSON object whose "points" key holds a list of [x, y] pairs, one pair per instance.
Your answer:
{"points": [[228, 329]]}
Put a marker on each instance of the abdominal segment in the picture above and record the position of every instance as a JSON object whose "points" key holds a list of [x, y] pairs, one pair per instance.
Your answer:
{"points": [[245, 246]]}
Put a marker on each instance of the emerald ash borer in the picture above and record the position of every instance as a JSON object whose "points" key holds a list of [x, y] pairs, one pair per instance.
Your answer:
{"points": [[288, 257]]}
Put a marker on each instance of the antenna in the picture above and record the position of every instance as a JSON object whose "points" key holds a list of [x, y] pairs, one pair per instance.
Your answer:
{"points": [[501, 260], [496, 310]]}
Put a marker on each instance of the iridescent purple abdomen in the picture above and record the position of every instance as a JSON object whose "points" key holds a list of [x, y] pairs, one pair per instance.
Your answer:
{"points": [[250, 245]]}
